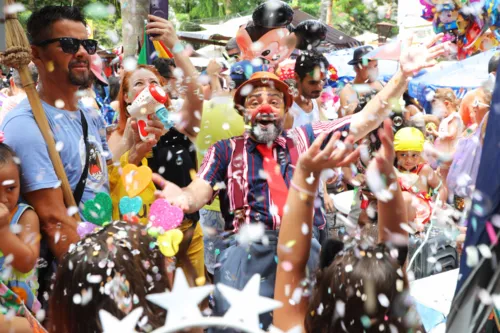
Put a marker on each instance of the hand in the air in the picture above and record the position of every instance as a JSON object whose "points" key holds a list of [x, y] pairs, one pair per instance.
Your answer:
{"points": [[380, 173], [335, 154], [417, 57], [163, 30]]}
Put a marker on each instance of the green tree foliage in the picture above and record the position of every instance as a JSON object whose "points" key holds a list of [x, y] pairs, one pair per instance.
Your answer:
{"points": [[357, 16], [107, 28]]}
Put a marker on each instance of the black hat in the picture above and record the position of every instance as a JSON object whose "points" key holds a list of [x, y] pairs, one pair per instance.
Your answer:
{"points": [[359, 53]]}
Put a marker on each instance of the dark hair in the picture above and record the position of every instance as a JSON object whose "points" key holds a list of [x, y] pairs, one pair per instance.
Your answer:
{"points": [[115, 268], [308, 61], [348, 293], [114, 87], [8, 155], [493, 63], [163, 66], [40, 22]]}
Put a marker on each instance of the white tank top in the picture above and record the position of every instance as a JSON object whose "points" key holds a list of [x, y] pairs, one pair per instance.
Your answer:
{"points": [[300, 117]]}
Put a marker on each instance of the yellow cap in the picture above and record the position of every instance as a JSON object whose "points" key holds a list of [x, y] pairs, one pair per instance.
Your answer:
{"points": [[409, 139]]}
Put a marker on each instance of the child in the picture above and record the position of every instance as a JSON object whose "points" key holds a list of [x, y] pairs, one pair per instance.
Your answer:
{"points": [[19, 247], [416, 178], [113, 269]]}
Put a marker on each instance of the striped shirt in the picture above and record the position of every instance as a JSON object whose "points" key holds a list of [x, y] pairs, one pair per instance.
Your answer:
{"points": [[216, 169]]}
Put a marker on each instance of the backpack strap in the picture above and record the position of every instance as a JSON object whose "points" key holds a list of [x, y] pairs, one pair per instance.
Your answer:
{"points": [[292, 149], [235, 189]]}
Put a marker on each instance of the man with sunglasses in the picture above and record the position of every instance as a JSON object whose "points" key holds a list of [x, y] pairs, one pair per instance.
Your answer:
{"points": [[62, 53]]}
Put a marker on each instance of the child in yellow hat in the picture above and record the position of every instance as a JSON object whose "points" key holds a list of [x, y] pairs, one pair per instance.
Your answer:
{"points": [[415, 177]]}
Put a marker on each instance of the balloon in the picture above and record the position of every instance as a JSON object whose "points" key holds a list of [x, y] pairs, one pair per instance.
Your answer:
{"points": [[310, 33], [169, 242]]}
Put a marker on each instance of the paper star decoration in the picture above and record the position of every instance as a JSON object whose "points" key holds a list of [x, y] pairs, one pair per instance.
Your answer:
{"points": [[182, 302], [247, 311], [183, 312], [111, 324]]}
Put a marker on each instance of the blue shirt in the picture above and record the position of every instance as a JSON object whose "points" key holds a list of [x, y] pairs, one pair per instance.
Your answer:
{"points": [[25, 138]]}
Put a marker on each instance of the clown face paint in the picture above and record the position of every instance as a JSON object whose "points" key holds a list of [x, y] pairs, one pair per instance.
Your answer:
{"points": [[265, 110]]}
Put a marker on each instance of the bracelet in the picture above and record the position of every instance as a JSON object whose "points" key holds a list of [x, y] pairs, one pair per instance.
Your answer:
{"points": [[178, 47], [302, 190]]}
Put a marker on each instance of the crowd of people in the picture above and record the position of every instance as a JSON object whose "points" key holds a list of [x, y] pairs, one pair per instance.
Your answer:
{"points": [[259, 166]]}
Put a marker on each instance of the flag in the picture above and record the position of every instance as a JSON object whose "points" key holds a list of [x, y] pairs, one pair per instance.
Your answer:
{"points": [[146, 55], [468, 313], [143, 54]]}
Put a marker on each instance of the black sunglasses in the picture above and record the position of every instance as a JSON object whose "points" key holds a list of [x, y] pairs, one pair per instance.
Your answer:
{"points": [[72, 45]]}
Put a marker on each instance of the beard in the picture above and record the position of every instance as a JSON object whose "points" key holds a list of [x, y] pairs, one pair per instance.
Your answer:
{"points": [[266, 133], [78, 78]]}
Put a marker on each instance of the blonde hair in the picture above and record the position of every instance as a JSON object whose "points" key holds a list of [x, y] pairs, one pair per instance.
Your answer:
{"points": [[447, 94]]}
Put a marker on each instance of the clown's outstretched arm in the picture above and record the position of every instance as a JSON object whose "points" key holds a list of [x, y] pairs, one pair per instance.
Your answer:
{"points": [[412, 60]]}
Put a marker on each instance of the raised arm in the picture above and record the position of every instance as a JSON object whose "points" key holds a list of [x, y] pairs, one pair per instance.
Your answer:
{"points": [[382, 180], [412, 60], [165, 32], [201, 190], [294, 244]]}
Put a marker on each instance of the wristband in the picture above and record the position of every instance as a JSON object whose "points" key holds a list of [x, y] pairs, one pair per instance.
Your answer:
{"points": [[302, 190], [178, 47]]}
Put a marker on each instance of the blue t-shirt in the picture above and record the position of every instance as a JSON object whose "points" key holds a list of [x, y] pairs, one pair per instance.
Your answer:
{"points": [[24, 136]]}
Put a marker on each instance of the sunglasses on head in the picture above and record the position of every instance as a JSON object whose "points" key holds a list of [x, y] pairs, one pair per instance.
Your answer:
{"points": [[72, 45], [477, 103]]}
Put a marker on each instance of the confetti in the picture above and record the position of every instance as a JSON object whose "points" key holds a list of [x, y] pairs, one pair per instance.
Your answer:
{"points": [[491, 233]]}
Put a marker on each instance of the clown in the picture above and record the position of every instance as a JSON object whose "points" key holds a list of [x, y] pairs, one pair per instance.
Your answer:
{"points": [[418, 180]]}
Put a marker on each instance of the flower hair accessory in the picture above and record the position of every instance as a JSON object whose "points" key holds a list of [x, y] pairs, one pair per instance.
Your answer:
{"points": [[2, 137]]}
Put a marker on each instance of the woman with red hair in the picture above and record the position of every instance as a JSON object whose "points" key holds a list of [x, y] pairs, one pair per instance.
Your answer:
{"points": [[174, 156]]}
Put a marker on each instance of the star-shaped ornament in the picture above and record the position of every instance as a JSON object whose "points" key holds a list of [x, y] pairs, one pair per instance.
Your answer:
{"points": [[182, 302], [110, 324], [247, 304]]}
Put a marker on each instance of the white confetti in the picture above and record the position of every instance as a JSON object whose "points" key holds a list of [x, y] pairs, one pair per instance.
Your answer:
{"points": [[485, 250], [59, 145], [77, 298], [72, 210], [59, 104], [348, 268], [305, 229], [226, 126], [472, 256], [8, 182]]}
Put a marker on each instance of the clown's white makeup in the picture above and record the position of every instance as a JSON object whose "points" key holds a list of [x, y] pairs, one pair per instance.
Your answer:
{"points": [[264, 112]]}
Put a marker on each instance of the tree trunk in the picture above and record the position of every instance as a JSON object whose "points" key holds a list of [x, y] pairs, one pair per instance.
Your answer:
{"points": [[134, 12], [325, 12], [329, 9]]}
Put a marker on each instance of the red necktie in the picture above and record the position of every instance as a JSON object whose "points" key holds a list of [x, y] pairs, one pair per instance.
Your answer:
{"points": [[279, 190]]}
